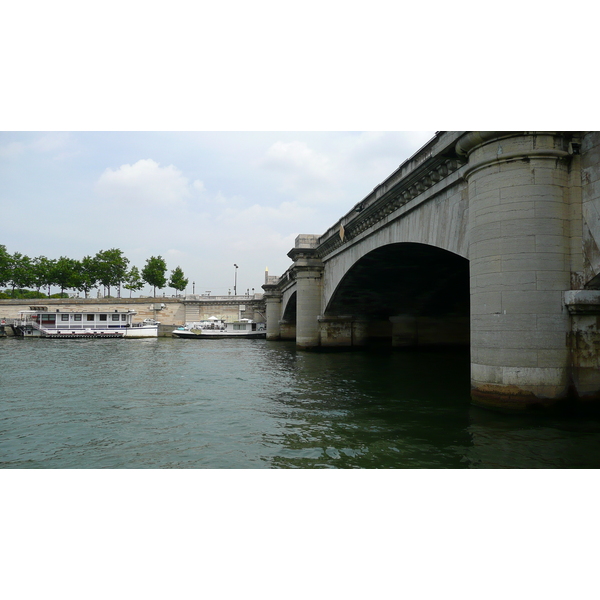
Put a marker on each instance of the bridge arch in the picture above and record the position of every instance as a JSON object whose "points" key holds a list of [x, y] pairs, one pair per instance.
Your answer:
{"points": [[406, 293], [288, 312], [287, 324], [439, 223]]}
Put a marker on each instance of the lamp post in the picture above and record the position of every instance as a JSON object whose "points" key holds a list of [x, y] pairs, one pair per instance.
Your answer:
{"points": [[235, 280], [193, 287]]}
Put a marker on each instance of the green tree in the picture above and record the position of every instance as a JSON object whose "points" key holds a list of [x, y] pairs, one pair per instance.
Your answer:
{"points": [[178, 280], [43, 272], [111, 267], [21, 271], [64, 272], [133, 280], [85, 277], [4, 266], [154, 272]]}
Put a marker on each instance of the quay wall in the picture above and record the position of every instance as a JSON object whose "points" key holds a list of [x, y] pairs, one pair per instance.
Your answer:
{"points": [[170, 312]]}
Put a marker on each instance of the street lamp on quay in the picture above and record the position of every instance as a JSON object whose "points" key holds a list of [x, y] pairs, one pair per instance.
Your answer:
{"points": [[235, 280]]}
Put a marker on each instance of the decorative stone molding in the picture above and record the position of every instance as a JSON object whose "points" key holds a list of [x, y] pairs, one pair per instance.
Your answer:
{"points": [[406, 190], [472, 139], [582, 301]]}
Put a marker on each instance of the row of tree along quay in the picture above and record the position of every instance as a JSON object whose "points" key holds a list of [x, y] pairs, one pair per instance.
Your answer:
{"points": [[108, 268]]}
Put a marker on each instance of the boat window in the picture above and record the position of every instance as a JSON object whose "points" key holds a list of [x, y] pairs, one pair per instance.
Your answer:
{"points": [[123, 317], [239, 326], [48, 318], [103, 317], [115, 317], [77, 317], [64, 317], [89, 317]]}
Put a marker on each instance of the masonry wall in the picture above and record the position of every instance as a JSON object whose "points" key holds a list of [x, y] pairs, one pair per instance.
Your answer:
{"points": [[590, 207]]}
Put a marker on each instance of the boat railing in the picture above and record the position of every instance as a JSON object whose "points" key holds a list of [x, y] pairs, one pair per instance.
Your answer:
{"points": [[35, 325]]}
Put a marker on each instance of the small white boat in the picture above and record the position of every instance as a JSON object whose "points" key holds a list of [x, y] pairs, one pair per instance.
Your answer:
{"points": [[217, 329], [39, 322]]}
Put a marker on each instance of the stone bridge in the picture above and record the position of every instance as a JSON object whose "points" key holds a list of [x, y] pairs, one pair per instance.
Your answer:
{"points": [[483, 239]]}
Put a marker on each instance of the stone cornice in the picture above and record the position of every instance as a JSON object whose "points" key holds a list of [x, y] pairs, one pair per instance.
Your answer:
{"points": [[473, 139], [511, 156], [432, 171], [468, 142], [582, 301], [303, 253]]}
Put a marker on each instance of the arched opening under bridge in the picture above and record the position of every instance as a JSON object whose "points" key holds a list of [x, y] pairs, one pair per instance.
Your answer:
{"points": [[402, 295], [287, 325]]}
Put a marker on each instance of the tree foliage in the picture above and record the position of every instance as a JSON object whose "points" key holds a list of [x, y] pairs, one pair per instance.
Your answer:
{"points": [[43, 269], [154, 272], [21, 271], [178, 280], [108, 268], [63, 273], [111, 267], [133, 280], [4, 266], [85, 277]]}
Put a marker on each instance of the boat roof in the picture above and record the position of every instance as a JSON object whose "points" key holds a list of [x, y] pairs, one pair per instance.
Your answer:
{"points": [[46, 309]]}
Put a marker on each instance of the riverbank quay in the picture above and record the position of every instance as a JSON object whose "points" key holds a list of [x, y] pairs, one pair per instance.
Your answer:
{"points": [[169, 311]]}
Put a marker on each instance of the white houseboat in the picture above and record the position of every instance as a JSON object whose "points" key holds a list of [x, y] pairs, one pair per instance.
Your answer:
{"points": [[218, 329], [40, 322]]}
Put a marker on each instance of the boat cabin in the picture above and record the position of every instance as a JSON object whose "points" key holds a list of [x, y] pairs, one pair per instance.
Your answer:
{"points": [[77, 320], [245, 325], [38, 321]]}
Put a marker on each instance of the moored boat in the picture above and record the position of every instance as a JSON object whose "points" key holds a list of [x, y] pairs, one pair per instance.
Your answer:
{"points": [[39, 322], [244, 328]]}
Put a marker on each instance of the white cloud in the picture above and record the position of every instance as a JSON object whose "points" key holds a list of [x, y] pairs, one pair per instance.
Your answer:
{"points": [[12, 149], [46, 144], [199, 186], [297, 156], [337, 171], [50, 142], [290, 212], [302, 172], [144, 183], [174, 252]]}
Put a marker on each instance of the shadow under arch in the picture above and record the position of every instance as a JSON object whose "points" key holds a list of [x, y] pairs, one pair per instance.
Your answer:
{"points": [[405, 295], [287, 324], [289, 311]]}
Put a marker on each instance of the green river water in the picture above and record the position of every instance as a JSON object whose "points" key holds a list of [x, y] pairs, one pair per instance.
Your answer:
{"points": [[239, 404]]}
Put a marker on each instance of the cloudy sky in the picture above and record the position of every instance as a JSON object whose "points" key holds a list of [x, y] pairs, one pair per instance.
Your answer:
{"points": [[254, 80], [203, 201]]}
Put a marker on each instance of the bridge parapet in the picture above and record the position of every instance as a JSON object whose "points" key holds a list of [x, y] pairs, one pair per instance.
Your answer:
{"points": [[429, 170]]}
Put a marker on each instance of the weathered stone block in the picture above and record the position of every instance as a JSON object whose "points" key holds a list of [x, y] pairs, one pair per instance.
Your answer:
{"points": [[497, 282], [551, 243], [509, 357], [532, 302], [499, 322], [548, 261], [485, 302]]}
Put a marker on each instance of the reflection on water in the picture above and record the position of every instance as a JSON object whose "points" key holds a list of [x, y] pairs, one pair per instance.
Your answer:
{"points": [[513, 441], [172, 403]]}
